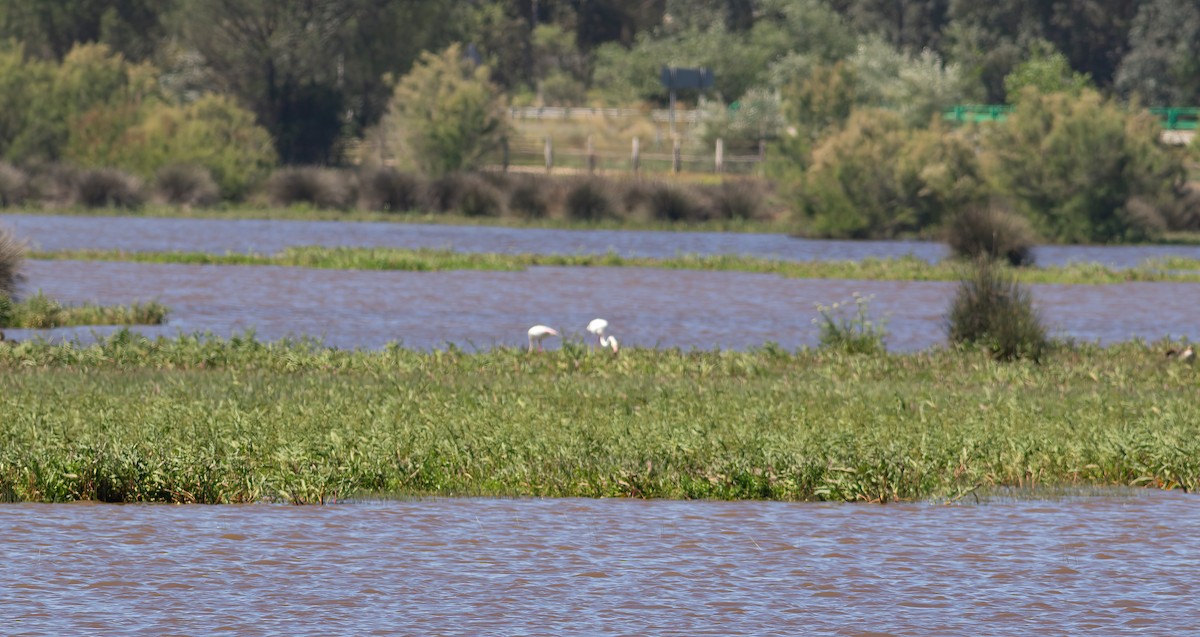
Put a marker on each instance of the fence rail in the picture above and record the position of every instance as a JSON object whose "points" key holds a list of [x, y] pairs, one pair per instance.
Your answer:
{"points": [[1172, 118]]}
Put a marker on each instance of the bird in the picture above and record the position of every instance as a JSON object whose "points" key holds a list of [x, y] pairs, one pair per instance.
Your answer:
{"points": [[597, 327], [539, 333], [1188, 355]]}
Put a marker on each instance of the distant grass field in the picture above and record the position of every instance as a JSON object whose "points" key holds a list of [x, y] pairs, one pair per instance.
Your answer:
{"points": [[899, 269], [197, 419]]}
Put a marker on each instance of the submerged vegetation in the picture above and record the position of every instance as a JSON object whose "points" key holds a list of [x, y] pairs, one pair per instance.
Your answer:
{"points": [[907, 268], [199, 419]]}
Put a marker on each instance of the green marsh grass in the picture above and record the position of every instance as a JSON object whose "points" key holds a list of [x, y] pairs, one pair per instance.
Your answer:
{"points": [[906, 268], [202, 419], [40, 312]]}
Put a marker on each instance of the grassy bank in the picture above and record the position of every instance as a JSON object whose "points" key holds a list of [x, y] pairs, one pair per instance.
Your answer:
{"points": [[209, 420], [898, 269], [40, 312]]}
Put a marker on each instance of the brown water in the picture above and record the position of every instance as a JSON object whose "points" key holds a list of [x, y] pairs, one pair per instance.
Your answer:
{"points": [[646, 307], [139, 234], [1095, 565]]}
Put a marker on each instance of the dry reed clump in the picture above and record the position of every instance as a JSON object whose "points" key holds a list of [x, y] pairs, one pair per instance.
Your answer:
{"points": [[993, 232], [318, 187], [736, 199], [54, 184], [186, 185], [479, 197], [108, 188], [591, 199], [14, 185], [390, 190], [669, 202], [12, 263], [992, 310], [531, 197]]}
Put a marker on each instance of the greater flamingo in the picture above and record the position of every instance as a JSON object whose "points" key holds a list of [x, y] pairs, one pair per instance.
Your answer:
{"points": [[539, 333], [597, 327]]}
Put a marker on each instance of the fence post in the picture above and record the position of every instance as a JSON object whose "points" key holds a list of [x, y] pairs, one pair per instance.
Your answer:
{"points": [[548, 151], [720, 158], [637, 154], [591, 155], [676, 156]]}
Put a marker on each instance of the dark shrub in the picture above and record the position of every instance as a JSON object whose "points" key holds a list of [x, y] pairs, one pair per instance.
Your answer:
{"points": [[12, 261], [442, 193], [530, 197], [388, 189], [479, 198], [186, 185], [108, 187], [319, 187], [590, 199], [993, 311], [669, 202], [737, 199], [54, 184], [14, 185], [992, 232]]}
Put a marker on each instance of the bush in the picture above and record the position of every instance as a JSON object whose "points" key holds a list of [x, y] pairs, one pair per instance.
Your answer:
{"points": [[388, 189], [992, 232], [12, 262], [854, 333], [186, 185], [737, 199], [669, 202], [479, 198], [54, 183], [319, 187], [14, 185], [531, 197], [991, 310], [109, 187], [590, 199]]}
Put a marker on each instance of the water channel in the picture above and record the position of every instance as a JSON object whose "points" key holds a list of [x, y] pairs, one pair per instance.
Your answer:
{"points": [[1098, 565]]}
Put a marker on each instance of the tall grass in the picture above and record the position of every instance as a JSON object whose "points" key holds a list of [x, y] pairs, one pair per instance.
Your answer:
{"points": [[42, 312], [201, 419]]}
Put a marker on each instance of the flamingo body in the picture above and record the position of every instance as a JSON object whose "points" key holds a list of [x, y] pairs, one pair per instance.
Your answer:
{"points": [[597, 327], [539, 333]]}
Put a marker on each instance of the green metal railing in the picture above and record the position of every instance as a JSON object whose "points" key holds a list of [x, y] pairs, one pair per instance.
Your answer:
{"points": [[1171, 117]]}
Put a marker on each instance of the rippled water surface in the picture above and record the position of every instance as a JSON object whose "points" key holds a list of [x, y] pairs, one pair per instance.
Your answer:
{"points": [[1100, 565], [646, 307], [139, 234]]}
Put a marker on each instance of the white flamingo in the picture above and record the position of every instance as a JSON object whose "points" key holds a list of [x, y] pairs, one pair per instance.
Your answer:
{"points": [[539, 333], [597, 327]]}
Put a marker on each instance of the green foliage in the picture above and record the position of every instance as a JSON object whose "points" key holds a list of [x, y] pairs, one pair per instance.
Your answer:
{"points": [[877, 178], [850, 333], [42, 312], [918, 87], [1046, 71], [1161, 67], [821, 98], [212, 132], [1082, 168], [991, 232], [993, 311], [446, 113]]}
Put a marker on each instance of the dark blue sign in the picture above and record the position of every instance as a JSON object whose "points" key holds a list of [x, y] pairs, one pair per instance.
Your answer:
{"points": [[674, 78]]}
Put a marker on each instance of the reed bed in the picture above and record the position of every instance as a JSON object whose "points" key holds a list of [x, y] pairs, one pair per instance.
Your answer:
{"points": [[907, 268], [42, 312], [204, 419]]}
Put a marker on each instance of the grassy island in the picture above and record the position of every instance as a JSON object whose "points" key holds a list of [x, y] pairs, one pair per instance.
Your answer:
{"points": [[202, 419]]}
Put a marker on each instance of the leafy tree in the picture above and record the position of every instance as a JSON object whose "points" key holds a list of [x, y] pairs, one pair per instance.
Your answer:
{"points": [[50, 30], [1046, 71], [917, 86], [446, 112], [908, 25], [1161, 66], [1082, 168], [21, 82], [213, 132]]}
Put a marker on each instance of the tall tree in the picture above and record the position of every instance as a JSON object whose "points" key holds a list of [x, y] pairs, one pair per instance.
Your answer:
{"points": [[50, 28], [910, 25], [1161, 66]]}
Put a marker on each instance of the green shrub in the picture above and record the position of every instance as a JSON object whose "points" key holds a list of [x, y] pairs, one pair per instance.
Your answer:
{"points": [[186, 185], [109, 187], [388, 189], [590, 199], [318, 187], [852, 333], [991, 310], [992, 232], [14, 185], [12, 263]]}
